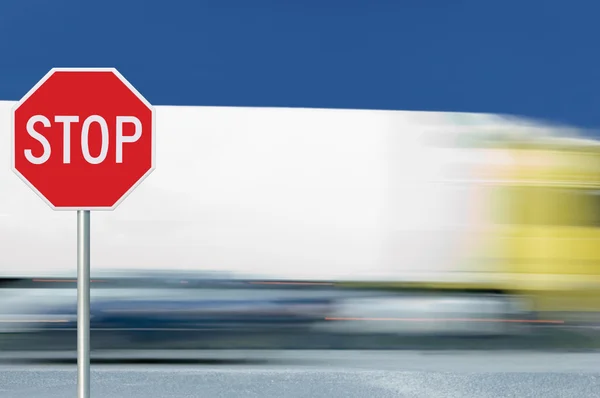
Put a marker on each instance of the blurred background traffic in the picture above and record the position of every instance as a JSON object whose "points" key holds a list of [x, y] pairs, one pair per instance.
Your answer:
{"points": [[280, 228]]}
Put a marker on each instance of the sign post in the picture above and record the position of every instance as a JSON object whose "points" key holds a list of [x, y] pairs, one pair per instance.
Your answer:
{"points": [[83, 303], [83, 139]]}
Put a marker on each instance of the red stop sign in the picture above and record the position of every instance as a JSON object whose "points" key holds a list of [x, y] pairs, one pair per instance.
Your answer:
{"points": [[83, 139]]}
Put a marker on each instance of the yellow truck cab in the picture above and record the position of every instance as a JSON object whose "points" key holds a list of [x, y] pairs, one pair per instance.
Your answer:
{"points": [[546, 216], [536, 236]]}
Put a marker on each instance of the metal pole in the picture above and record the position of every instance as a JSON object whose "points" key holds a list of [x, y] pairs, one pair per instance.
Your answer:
{"points": [[83, 304]]}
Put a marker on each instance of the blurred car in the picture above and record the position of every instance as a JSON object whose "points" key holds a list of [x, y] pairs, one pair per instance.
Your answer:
{"points": [[190, 315]]}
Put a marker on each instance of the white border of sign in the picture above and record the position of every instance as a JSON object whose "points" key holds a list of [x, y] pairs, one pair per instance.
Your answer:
{"points": [[133, 90]]}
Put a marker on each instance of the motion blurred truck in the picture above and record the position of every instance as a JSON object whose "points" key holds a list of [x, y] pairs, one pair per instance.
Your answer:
{"points": [[473, 206]]}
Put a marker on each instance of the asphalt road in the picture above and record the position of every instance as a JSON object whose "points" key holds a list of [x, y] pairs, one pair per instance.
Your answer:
{"points": [[328, 374]]}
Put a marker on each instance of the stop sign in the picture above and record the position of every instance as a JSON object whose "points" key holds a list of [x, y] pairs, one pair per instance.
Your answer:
{"points": [[83, 139]]}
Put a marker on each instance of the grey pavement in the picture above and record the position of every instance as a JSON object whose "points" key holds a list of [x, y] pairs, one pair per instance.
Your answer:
{"points": [[328, 374]]}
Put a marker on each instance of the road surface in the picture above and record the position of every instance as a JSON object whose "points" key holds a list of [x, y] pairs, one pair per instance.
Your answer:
{"points": [[330, 374]]}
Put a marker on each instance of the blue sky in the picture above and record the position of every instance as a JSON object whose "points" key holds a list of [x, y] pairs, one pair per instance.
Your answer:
{"points": [[526, 57]]}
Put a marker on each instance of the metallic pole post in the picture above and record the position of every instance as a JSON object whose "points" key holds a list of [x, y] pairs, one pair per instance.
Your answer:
{"points": [[83, 304]]}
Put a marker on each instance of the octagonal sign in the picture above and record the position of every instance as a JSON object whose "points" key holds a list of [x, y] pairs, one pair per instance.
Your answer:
{"points": [[83, 138]]}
